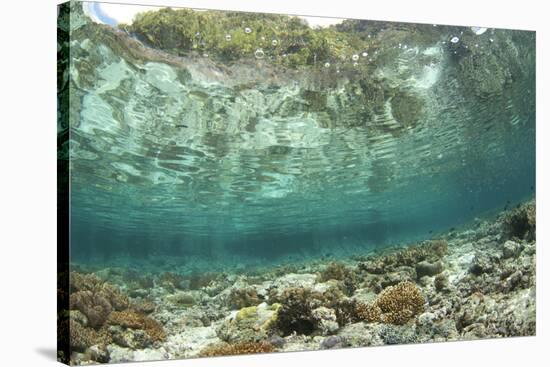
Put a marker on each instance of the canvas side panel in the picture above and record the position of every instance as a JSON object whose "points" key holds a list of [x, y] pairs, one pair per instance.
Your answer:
{"points": [[63, 59]]}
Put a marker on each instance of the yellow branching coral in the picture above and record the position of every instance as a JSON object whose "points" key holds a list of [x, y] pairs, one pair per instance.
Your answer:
{"points": [[400, 303], [236, 348]]}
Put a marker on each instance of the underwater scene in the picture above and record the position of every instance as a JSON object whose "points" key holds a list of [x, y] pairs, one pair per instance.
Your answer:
{"points": [[240, 183]]}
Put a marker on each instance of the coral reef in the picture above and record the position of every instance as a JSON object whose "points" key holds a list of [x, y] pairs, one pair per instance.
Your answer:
{"points": [[400, 303], [475, 283]]}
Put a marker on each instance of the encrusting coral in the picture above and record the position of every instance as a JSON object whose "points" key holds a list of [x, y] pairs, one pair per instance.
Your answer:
{"points": [[400, 303], [134, 320], [236, 348]]}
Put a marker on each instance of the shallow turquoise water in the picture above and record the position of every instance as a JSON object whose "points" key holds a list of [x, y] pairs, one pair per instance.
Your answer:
{"points": [[202, 169]]}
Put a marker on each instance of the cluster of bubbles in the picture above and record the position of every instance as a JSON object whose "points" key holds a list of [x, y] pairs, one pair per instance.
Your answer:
{"points": [[260, 54]]}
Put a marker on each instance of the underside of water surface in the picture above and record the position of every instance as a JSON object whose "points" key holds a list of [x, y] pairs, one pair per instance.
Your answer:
{"points": [[234, 138]]}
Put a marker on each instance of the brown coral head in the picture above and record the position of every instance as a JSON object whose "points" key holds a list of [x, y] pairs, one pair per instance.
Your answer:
{"points": [[400, 303]]}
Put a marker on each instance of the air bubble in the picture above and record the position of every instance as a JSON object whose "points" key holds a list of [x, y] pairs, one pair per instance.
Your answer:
{"points": [[355, 57], [478, 30], [327, 64], [228, 37], [274, 43], [455, 39], [259, 54], [355, 64], [247, 30], [365, 54]]}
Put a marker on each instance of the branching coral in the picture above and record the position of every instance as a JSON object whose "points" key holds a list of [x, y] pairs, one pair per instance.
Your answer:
{"points": [[236, 348], [84, 282], [368, 312], [521, 222], [338, 271], [350, 311], [430, 251], [117, 300], [95, 298], [400, 303], [335, 270], [81, 337], [143, 306], [134, 320], [346, 312], [243, 297], [295, 314]]}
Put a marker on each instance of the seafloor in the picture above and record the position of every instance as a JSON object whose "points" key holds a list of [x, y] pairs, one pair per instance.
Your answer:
{"points": [[478, 282]]}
